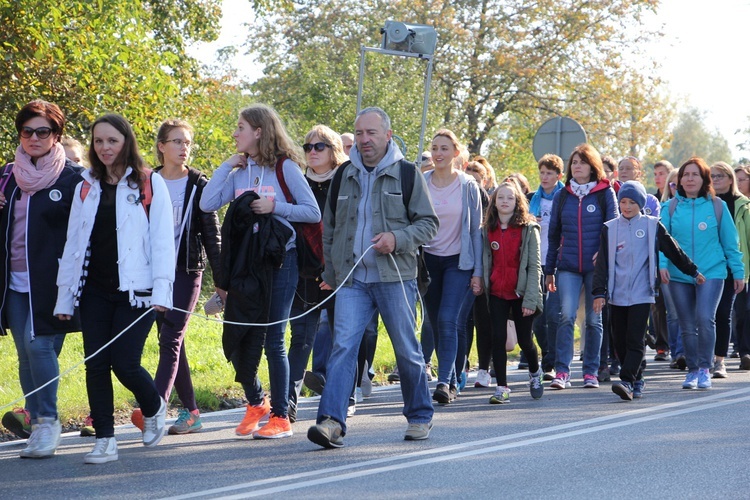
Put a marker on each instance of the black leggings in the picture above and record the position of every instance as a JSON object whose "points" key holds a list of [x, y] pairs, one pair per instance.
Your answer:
{"points": [[500, 310]]}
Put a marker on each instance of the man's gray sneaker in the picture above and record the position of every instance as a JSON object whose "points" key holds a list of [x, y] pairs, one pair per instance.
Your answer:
{"points": [[418, 432], [327, 434]]}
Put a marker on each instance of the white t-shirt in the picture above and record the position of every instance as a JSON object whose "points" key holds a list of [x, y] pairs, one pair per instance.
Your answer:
{"points": [[177, 189]]}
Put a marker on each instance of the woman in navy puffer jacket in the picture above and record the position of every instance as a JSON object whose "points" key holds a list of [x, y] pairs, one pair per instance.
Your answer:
{"points": [[578, 213]]}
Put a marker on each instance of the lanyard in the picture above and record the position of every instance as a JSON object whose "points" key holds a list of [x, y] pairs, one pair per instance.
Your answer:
{"points": [[255, 186]]}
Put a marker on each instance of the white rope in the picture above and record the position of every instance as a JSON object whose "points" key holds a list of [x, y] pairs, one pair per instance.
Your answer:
{"points": [[79, 363], [403, 288]]}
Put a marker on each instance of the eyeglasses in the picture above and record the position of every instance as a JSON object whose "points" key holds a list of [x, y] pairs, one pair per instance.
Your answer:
{"points": [[41, 132], [716, 177], [180, 142], [673, 185], [469, 169], [318, 146]]}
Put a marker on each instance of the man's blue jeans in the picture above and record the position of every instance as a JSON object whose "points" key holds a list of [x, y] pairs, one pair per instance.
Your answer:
{"points": [[569, 288], [355, 306], [696, 312]]}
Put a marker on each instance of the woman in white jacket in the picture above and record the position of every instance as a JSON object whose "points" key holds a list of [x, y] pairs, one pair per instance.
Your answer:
{"points": [[118, 263]]}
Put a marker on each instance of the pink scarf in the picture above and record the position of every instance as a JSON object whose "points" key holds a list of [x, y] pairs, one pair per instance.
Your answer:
{"points": [[32, 178]]}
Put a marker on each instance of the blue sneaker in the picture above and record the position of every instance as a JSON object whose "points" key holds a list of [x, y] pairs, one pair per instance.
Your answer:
{"points": [[691, 381], [638, 388], [462, 381], [704, 379]]}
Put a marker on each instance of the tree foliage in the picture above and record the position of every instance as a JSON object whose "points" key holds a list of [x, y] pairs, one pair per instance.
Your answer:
{"points": [[128, 57], [499, 63], [691, 138]]}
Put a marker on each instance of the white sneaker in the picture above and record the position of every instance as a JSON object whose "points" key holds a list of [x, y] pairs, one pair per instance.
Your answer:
{"points": [[483, 379], [366, 382], [105, 450], [358, 395], [48, 438], [31, 443], [153, 427]]}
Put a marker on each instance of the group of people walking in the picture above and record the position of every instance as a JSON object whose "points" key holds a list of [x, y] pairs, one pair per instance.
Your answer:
{"points": [[113, 248]]}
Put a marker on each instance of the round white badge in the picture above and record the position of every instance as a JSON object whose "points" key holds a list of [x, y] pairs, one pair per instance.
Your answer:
{"points": [[495, 245], [647, 211], [702, 226], [640, 233], [591, 209], [256, 181], [55, 195], [132, 198]]}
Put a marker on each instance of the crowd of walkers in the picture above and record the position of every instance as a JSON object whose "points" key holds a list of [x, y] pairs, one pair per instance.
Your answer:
{"points": [[111, 247]]}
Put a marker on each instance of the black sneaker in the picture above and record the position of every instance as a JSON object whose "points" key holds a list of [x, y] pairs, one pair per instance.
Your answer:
{"points": [[394, 376], [682, 363], [291, 412], [604, 374], [315, 382], [442, 394], [327, 434], [624, 390], [745, 362]]}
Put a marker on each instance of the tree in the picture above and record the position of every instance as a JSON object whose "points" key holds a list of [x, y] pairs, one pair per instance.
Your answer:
{"points": [[498, 62], [691, 138], [92, 57]]}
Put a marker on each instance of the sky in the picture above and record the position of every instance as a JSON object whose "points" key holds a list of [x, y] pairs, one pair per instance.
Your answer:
{"points": [[703, 56]]}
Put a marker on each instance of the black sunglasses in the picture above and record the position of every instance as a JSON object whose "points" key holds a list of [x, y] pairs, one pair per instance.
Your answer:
{"points": [[319, 146], [41, 132]]}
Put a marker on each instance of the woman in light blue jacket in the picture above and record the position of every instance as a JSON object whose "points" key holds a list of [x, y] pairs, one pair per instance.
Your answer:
{"points": [[704, 229], [454, 260]]}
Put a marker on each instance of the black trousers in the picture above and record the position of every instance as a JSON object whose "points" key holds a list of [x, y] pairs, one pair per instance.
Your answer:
{"points": [[629, 332], [500, 312], [103, 316]]}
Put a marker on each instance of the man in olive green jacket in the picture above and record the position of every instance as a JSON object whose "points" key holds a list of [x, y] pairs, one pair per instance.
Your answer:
{"points": [[371, 212]]}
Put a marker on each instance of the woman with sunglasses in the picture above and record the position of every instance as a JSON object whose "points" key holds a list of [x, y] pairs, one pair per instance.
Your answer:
{"points": [[36, 194], [725, 185], [196, 240], [262, 142], [324, 154], [702, 225]]}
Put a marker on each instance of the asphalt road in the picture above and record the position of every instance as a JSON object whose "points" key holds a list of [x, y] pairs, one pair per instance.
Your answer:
{"points": [[576, 443]]}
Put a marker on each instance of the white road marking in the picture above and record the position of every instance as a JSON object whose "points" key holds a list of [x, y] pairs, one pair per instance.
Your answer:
{"points": [[379, 466]]}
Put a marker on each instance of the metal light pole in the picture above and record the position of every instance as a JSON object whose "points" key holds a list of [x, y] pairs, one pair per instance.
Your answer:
{"points": [[405, 40]]}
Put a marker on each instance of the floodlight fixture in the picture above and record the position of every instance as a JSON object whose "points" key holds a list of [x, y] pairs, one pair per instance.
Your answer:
{"points": [[411, 38]]}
